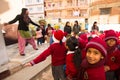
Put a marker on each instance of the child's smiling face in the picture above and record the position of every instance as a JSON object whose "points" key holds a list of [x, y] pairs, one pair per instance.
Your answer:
{"points": [[93, 55]]}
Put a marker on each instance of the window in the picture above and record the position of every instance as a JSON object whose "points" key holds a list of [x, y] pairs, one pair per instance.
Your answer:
{"points": [[40, 8], [39, 1], [28, 1], [31, 9], [104, 11]]}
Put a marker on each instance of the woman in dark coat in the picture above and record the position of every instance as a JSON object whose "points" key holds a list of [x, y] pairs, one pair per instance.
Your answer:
{"points": [[23, 30], [67, 28]]}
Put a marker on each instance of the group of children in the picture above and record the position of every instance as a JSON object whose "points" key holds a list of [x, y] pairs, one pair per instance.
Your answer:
{"points": [[83, 58]]}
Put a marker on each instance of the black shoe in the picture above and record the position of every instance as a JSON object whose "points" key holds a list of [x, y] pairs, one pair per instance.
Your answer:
{"points": [[22, 54], [36, 49]]}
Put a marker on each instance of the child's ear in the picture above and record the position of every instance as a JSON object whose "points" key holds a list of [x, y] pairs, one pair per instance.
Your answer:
{"points": [[102, 57]]}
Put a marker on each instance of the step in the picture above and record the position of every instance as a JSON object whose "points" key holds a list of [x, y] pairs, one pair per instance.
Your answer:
{"points": [[15, 65], [28, 73]]}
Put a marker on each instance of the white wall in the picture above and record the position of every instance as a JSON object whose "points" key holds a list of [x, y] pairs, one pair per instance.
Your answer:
{"points": [[15, 7], [3, 54]]}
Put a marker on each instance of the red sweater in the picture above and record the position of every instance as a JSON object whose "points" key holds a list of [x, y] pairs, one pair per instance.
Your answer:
{"points": [[57, 52], [70, 67], [113, 60], [96, 73]]}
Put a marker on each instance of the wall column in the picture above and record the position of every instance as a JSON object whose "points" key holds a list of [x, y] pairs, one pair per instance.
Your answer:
{"points": [[3, 54]]}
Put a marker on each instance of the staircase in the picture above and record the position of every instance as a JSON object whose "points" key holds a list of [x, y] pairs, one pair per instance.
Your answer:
{"points": [[14, 70]]}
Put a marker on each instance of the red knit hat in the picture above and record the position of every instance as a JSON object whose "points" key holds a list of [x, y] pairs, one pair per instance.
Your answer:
{"points": [[110, 34], [98, 44], [58, 34], [84, 36]]}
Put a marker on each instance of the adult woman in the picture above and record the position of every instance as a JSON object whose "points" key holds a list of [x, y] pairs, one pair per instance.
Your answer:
{"points": [[95, 28], [76, 27], [23, 30], [67, 28]]}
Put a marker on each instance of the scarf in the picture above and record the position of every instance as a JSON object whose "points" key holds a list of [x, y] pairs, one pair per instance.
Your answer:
{"points": [[85, 65]]}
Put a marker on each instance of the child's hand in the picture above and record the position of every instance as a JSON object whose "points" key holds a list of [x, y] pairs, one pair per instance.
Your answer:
{"points": [[27, 65], [106, 68]]}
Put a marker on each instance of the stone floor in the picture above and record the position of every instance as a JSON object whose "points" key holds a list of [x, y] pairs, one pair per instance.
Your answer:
{"points": [[46, 74], [16, 63]]}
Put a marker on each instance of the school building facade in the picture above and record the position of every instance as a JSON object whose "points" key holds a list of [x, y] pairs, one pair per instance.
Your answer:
{"points": [[105, 12]]}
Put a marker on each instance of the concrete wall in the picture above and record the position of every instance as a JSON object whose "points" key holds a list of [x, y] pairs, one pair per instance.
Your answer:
{"points": [[3, 54], [9, 9]]}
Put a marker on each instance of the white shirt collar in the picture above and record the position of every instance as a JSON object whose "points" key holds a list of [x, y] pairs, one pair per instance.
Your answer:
{"points": [[70, 52]]}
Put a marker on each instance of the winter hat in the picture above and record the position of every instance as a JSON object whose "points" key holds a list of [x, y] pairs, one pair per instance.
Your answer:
{"points": [[98, 44], [110, 34], [56, 27], [58, 35], [83, 36]]}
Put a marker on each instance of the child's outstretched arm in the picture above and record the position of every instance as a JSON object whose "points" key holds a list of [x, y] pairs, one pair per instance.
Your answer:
{"points": [[40, 58]]}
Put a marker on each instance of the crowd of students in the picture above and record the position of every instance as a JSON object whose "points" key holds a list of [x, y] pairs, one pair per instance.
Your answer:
{"points": [[83, 56]]}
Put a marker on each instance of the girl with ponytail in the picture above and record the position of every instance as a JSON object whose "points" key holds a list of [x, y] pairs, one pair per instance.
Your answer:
{"points": [[73, 58]]}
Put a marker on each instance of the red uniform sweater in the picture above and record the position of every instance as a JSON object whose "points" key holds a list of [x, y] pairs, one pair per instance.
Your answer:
{"points": [[57, 52], [95, 73], [113, 60], [71, 70]]}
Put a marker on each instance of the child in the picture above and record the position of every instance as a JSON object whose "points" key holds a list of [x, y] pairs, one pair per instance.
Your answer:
{"points": [[73, 58], [39, 36], [57, 51], [113, 56], [92, 67]]}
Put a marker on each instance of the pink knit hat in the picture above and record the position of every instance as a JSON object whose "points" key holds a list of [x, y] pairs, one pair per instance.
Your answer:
{"points": [[98, 44], [110, 34]]}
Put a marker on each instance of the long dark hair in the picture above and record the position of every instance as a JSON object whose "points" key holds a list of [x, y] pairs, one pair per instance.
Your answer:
{"points": [[24, 11], [25, 16], [67, 23], [73, 45], [95, 26], [76, 23]]}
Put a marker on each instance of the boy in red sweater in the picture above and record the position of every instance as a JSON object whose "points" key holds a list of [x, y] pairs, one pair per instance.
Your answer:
{"points": [[57, 51], [92, 67]]}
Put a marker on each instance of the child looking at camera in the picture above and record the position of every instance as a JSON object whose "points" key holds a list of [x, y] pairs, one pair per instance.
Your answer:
{"points": [[92, 67]]}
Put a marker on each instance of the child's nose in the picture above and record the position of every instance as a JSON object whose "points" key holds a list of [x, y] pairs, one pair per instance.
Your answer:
{"points": [[91, 54]]}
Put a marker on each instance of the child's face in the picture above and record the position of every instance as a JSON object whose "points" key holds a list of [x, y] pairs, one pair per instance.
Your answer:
{"points": [[111, 42], [93, 55], [72, 33]]}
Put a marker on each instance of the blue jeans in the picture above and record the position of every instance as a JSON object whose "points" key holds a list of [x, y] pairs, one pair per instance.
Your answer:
{"points": [[39, 40]]}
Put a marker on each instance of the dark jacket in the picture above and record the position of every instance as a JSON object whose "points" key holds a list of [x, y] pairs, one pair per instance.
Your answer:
{"points": [[22, 24], [67, 29]]}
